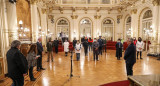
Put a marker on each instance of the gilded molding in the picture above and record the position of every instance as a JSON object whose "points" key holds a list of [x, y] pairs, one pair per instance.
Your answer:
{"points": [[134, 11], [50, 16], [119, 16], [156, 2], [97, 16], [74, 16], [85, 9], [119, 10], [61, 10]]}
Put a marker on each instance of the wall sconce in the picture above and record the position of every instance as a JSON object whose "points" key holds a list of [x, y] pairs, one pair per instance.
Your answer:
{"points": [[41, 33]]}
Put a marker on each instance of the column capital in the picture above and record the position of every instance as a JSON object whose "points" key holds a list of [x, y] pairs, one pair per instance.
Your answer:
{"points": [[44, 11], [74, 16], [97, 16], [134, 11], [156, 2], [119, 16], [33, 2]]}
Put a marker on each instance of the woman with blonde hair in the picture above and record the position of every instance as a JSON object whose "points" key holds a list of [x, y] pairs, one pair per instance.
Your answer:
{"points": [[32, 60]]}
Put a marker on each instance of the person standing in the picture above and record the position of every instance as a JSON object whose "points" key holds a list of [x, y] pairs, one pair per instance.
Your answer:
{"points": [[119, 49], [85, 44], [134, 41], [17, 64], [90, 41], [95, 49], [40, 50], [105, 44], [66, 47], [139, 46], [130, 56], [74, 42], [100, 41], [56, 43], [50, 50], [78, 47], [32, 60]]}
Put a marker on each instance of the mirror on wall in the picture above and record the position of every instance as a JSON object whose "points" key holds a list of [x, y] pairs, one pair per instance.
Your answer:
{"points": [[85, 28], [107, 29], [63, 26]]}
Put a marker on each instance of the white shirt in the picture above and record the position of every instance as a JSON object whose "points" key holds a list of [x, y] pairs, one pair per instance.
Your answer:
{"points": [[139, 45]]}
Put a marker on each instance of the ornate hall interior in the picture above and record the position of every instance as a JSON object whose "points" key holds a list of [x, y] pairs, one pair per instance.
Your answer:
{"points": [[29, 20]]}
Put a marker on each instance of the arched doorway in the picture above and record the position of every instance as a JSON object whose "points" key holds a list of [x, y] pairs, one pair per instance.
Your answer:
{"points": [[85, 27], [63, 25], [107, 29], [128, 31]]}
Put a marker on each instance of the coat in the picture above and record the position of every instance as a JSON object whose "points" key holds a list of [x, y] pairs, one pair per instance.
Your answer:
{"points": [[17, 63], [140, 45], [100, 42], [55, 43], [130, 54], [74, 43], [66, 46], [39, 48], [78, 48], [119, 49], [31, 58], [49, 46]]}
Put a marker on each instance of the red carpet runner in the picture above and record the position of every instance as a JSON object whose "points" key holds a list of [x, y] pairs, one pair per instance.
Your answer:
{"points": [[120, 83]]}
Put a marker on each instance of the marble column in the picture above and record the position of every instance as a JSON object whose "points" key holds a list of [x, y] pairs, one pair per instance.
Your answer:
{"points": [[156, 21], [75, 28], [12, 21], [134, 23], [44, 26], [34, 21], [3, 33]]}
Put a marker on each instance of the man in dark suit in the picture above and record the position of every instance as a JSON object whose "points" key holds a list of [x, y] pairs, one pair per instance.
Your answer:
{"points": [[85, 45], [130, 56], [100, 41], [56, 42], [119, 49], [17, 64], [40, 50]]}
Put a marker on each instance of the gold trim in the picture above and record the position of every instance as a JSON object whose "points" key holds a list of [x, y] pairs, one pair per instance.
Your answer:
{"points": [[124, 25], [44, 11], [33, 1], [74, 16], [91, 28], [139, 19], [69, 27], [114, 25], [97, 16]]}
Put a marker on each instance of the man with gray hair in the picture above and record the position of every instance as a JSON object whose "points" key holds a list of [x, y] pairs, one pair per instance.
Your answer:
{"points": [[17, 64], [130, 56], [40, 50]]}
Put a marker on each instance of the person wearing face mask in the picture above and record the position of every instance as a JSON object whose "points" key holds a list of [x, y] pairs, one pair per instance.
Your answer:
{"points": [[95, 49], [139, 46], [119, 49], [78, 47]]}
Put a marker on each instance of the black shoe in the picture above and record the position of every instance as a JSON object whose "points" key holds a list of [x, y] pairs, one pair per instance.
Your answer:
{"points": [[42, 69], [33, 79], [141, 58], [38, 69], [137, 58]]}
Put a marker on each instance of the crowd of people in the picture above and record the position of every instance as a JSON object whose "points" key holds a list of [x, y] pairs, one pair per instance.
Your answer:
{"points": [[19, 65]]}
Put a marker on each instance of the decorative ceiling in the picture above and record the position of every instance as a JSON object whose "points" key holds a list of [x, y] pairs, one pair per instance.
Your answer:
{"points": [[87, 4]]}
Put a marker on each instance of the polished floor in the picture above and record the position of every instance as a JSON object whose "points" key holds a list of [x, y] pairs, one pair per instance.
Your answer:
{"points": [[92, 73]]}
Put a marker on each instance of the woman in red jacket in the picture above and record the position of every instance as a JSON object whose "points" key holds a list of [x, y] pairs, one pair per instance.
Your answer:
{"points": [[134, 41], [90, 41]]}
